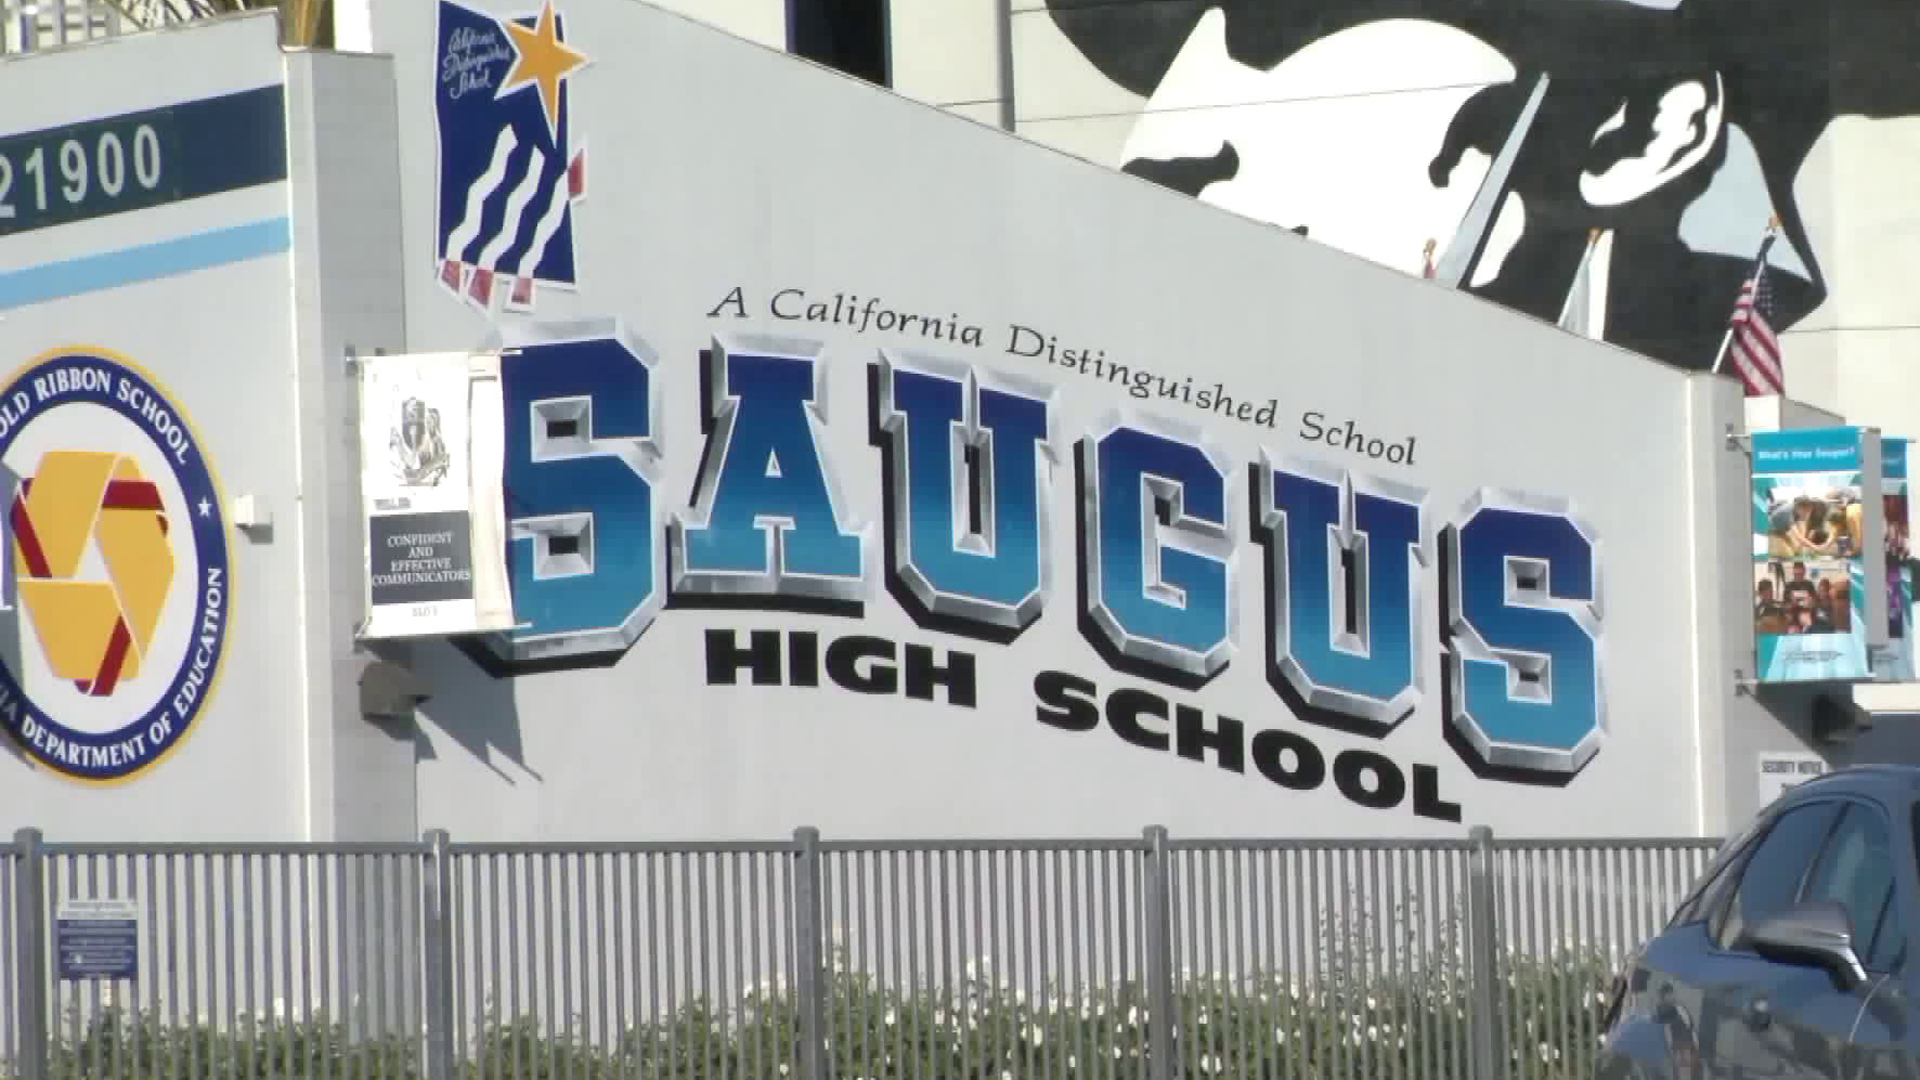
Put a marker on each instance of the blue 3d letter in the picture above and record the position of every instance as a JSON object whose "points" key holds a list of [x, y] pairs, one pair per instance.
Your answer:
{"points": [[969, 456], [1523, 621], [583, 558], [1344, 554], [1159, 560], [767, 519]]}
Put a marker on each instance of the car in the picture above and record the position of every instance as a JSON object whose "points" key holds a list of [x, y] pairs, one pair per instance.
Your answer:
{"points": [[1789, 957]]}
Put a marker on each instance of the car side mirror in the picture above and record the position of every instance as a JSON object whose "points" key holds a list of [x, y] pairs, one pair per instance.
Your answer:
{"points": [[1817, 933]]}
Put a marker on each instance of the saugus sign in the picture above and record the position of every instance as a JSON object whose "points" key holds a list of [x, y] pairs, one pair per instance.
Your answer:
{"points": [[978, 476], [979, 490]]}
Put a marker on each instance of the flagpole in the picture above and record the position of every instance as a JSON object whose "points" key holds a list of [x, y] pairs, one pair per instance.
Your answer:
{"points": [[1773, 225], [1725, 340], [1478, 221]]}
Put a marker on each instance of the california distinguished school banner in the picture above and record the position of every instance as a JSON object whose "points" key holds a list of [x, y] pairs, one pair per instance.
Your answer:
{"points": [[1893, 495], [1818, 541], [431, 461]]}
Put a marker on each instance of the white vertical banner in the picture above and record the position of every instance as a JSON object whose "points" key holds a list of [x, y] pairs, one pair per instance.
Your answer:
{"points": [[432, 449]]}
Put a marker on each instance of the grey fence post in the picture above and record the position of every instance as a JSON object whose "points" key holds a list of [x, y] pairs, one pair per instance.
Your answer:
{"points": [[30, 960], [809, 935], [1489, 1054], [439, 885], [1157, 921]]}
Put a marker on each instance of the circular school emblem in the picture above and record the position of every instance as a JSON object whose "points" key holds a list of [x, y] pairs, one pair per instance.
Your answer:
{"points": [[118, 558]]}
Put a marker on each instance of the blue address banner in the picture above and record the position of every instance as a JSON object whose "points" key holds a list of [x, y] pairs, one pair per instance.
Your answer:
{"points": [[96, 168], [1818, 578]]}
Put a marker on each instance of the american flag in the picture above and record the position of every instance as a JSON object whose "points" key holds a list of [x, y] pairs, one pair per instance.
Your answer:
{"points": [[1751, 343]]}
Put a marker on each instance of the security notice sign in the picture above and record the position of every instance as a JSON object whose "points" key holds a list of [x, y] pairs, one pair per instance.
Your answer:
{"points": [[1780, 773], [97, 939], [430, 481]]}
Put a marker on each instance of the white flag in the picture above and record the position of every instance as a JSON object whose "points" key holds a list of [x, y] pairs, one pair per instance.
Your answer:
{"points": [[1585, 311]]}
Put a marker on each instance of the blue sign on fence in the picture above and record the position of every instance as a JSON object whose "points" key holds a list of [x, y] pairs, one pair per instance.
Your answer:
{"points": [[97, 939]]}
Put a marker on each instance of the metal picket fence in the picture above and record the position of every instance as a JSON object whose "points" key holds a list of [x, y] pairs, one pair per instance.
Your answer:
{"points": [[810, 959]]}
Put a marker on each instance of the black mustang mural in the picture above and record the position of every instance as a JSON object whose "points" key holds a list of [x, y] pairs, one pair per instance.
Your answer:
{"points": [[1673, 128]]}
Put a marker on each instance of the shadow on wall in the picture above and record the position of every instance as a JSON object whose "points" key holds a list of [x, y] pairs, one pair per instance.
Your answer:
{"points": [[1890, 741], [1677, 125], [470, 708], [1831, 729]]}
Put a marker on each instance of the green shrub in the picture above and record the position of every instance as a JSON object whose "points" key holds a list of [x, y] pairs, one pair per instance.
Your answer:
{"points": [[1348, 1027]]}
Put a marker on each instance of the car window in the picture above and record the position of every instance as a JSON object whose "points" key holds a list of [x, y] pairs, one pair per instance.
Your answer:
{"points": [[1856, 869], [1722, 870], [1712, 891], [1770, 880], [1888, 952]]}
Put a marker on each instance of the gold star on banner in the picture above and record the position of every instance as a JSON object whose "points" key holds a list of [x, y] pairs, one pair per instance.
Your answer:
{"points": [[543, 59]]}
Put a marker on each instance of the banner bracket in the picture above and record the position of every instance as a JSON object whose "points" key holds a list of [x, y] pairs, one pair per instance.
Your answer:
{"points": [[360, 634], [354, 358]]}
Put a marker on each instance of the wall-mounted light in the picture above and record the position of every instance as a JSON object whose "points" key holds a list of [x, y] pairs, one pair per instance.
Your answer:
{"points": [[1837, 720], [250, 514], [389, 691]]}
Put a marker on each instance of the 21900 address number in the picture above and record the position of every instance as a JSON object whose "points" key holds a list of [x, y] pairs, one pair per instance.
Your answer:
{"points": [[140, 160], [74, 169]]}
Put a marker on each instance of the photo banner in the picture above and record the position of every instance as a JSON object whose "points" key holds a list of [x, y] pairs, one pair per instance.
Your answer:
{"points": [[1893, 496], [1819, 561], [432, 453]]}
